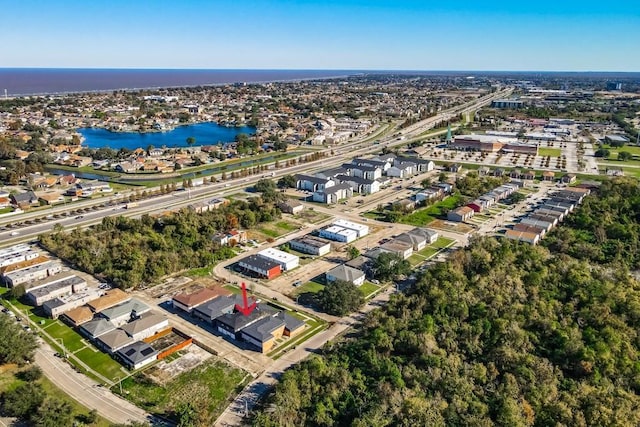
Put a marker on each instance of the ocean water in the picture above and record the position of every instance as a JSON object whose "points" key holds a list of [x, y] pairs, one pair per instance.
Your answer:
{"points": [[204, 133], [36, 81]]}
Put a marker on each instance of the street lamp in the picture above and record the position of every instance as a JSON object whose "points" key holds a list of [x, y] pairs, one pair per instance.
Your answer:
{"points": [[120, 384]]}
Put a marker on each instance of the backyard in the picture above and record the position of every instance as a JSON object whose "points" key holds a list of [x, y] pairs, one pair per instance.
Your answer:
{"points": [[423, 216]]}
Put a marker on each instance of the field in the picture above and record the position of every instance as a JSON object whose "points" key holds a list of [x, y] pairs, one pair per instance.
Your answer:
{"points": [[208, 387], [424, 216], [551, 152], [309, 287], [277, 229]]}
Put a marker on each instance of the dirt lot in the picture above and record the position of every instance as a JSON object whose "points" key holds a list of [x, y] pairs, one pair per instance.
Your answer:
{"points": [[164, 371]]}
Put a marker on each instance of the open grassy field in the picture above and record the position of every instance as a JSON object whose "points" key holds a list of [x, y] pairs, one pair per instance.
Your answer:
{"points": [[424, 216], [442, 242], [309, 287], [208, 387], [548, 151]]}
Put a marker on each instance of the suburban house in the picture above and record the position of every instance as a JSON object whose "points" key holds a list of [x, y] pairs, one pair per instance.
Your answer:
{"points": [[146, 326], [111, 298], [136, 355], [548, 176], [24, 200], [460, 214], [78, 316], [398, 247], [416, 241], [113, 341], [92, 329], [345, 273], [124, 312], [523, 236], [291, 206]]}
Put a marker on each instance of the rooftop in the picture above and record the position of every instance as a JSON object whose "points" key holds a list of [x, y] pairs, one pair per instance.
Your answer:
{"points": [[109, 299], [201, 296]]}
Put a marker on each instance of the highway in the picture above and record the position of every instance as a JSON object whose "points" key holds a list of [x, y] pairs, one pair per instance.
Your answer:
{"points": [[102, 399], [183, 198]]}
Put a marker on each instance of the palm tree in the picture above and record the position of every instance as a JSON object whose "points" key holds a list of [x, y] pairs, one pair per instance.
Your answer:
{"points": [[191, 140]]}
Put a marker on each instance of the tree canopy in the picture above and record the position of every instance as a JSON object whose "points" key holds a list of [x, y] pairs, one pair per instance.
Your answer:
{"points": [[339, 298], [503, 333]]}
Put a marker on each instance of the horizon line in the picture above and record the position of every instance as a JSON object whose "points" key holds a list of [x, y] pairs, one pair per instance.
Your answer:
{"points": [[319, 69]]}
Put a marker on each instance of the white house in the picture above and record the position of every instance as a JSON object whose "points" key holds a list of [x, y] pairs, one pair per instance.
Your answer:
{"points": [[361, 229], [339, 234], [345, 274]]}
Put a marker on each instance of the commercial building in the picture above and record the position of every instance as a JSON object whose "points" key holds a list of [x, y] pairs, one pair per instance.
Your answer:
{"points": [[19, 256], [345, 273], [261, 266], [36, 272], [42, 294], [361, 229], [55, 307], [339, 234], [286, 260], [311, 245]]}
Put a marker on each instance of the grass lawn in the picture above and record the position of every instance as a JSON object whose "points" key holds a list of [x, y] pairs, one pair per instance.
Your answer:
{"points": [[367, 288], [312, 217], [442, 242], [71, 339], [374, 215], [428, 252], [425, 215], [628, 148], [6, 210], [286, 226], [309, 287], [100, 362], [277, 229], [208, 387], [199, 272], [548, 151], [415, 260]]}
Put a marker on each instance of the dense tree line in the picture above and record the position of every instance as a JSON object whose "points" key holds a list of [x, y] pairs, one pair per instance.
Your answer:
{"points": [[502, 334], [132, 252]]}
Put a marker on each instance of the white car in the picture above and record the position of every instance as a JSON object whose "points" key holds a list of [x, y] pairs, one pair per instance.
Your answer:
{"points": [[14, 233]]}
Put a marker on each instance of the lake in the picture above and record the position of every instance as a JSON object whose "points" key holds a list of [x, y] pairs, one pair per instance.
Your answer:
{"points": [[208, 133]]}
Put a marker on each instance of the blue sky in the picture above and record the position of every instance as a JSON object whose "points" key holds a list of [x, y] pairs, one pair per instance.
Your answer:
{"points": [[322, 34]]}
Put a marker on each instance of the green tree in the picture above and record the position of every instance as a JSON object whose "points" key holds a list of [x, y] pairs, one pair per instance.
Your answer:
{"points": [[23, 401], [16, 345], [352, 252], [191, 141], [389, 266], [287, 181], [53, 413], [339, 298], [624, 156]]}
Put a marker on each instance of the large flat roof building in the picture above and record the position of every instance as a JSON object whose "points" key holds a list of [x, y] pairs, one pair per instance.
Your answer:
{"points": [[311, 245], [361, 229], [286, 260], [187, 302], [339, 234]]}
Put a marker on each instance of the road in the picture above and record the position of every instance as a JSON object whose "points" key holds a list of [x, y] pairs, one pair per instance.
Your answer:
{"points": [[183, 198], [254, 391], [85, 390], [115, 409]]}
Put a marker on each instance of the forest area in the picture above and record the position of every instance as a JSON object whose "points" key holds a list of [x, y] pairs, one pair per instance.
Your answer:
{"points": [[133, 252], [503, 333]]}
